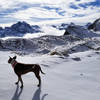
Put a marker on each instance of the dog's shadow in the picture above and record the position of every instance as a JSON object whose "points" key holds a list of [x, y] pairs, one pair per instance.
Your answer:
{"points": [[37, 93], [17, 93]]}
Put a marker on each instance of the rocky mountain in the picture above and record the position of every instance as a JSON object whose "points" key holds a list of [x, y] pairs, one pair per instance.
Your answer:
{"points": [[95, 25], [19, 29], [79, 31], [59, 45], [75, 39]]}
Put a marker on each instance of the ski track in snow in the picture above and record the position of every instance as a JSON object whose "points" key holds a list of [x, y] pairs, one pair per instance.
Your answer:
{"points": [[65, 79]]}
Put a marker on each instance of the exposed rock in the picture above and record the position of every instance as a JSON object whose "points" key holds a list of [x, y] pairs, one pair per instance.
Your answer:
{"points": [[79, 31], [95, 25], [76, 59], [55, 53], [22, 27], [19, 29]]}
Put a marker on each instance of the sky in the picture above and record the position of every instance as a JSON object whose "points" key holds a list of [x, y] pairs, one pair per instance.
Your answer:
{"points": [[49, 11]]}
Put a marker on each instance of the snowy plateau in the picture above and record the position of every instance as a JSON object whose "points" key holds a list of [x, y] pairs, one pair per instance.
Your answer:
{"points": [[69, 54]]}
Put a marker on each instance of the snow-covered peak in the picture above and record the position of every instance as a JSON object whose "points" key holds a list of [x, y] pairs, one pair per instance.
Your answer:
{"points": [[95, 25], [79, 31], [22, 27], [19, 29]]}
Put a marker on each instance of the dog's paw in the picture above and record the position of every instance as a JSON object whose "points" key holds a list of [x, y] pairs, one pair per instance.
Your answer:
{"points": [[16, 83], [38, 85], [21, 86]]}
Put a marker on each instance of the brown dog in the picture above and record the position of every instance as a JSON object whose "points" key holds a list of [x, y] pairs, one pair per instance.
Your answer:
{"points": [[20, 69]]}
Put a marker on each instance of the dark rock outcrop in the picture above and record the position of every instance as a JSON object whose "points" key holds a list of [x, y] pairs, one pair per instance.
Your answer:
{"points": [[22, 27], [95, 25]]}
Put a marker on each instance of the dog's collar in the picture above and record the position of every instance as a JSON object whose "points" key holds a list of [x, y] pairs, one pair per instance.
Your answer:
{"points": [[13, 63]]}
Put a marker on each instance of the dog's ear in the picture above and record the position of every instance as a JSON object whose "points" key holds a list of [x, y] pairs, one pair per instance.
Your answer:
{"points": [[9, 57], [14, 57]]}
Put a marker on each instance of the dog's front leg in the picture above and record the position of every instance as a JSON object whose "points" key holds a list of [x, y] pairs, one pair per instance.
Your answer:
{"points": [[20, 79], [17, 81]]}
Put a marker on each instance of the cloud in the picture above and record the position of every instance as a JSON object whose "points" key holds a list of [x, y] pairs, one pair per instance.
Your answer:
{"points": [[6, 4], [34, 12], [47, 10]]}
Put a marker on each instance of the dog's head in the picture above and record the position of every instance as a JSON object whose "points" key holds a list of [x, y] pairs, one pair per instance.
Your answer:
{"points": [[11, 59]]}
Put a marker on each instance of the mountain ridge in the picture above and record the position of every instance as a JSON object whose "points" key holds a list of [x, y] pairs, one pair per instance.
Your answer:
{"points": [[75, 39], [19, 29]]}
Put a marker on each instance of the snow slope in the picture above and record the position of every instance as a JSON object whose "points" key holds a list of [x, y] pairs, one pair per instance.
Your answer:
{"points": [[65, 79]]}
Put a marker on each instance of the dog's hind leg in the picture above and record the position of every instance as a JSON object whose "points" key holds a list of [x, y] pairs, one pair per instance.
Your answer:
{"points": [[39, 79]]}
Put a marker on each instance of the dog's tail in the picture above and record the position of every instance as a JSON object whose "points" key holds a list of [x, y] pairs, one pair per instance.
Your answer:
{"points": [[41, 71]]}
